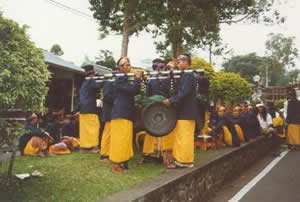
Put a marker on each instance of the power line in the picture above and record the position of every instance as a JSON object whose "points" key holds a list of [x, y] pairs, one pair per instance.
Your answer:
{"points": [[72, 10]]}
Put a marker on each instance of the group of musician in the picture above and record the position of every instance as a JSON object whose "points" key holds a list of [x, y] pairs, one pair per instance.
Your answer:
{"points": [[119, 110], [229, 127]]}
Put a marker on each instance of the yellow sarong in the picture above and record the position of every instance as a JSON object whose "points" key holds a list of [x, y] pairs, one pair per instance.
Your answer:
{"points": [[293, 134], [121, 140], [153, 144], [35, 145], [167, 141], [89, 130], [183, 148], [149, 144], [277, 123], [239, 132], [105, 141], [29, 150], [54, 150], [227, 136], [206, 129]]}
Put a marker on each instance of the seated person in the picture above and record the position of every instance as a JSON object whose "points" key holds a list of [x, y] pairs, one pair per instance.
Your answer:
{"points": [[249, 123], [36, 141], [265, 120], [71, 128], [54, 126], [62, 144], [236, 120], [223, 128]]}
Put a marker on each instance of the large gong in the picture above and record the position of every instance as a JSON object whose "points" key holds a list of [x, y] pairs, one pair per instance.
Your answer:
{"points": [[158, 119]]}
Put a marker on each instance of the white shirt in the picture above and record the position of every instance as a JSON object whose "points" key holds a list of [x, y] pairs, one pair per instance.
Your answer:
{"points": [[263, 123], [285, 106]]}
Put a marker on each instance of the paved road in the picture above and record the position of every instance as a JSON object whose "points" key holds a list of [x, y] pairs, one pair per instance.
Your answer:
{"points": [[280, 184]]}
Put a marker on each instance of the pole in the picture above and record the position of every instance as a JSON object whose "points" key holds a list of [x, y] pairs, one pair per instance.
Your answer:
{"points": [[267, 76], [72, 93]]}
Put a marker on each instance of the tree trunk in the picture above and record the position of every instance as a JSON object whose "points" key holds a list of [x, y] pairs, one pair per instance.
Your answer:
{"points": [[125, 41], [176, 48], [127, 29]]}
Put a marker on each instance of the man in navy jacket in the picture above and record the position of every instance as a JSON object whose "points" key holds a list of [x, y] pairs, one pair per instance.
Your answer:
{"points": [[89, 124], [106, 118], [122, 117], [187, 113]]}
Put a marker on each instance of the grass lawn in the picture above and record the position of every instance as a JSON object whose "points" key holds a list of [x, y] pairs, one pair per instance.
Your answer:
{"points": [[75, 177]]}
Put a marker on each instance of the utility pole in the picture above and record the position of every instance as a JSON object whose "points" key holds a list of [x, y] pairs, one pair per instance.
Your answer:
{"points": [[267, 76], [210, 52]]}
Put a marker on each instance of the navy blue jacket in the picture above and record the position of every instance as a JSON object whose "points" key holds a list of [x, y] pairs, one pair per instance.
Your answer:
{"points": [[70, 129], [185, 99], [293, 112], [203, 85], [154, 87], [250, 124], [55, 130], [166, 89], [159, 87], [124, 92], [107, 101], [87, 96]]}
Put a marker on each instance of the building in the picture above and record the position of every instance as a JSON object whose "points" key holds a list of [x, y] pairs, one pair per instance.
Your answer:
{"points": [[274, 93], [65, 82]]}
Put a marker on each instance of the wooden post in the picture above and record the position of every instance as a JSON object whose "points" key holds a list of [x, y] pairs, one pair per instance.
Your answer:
{"points": [[72, 93]]}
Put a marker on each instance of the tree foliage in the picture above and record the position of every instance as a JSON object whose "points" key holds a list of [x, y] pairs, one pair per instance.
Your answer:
{"points": [[281, 54], [23, 76], [199, 63], [190, 23], [56, 49], [126, 17], [246, 65], [224, 86], [106, 59], [230, 87], [282, 49]]}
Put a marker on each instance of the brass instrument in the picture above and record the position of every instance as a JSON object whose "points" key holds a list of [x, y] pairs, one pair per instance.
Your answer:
{"points": [[146, 75]]}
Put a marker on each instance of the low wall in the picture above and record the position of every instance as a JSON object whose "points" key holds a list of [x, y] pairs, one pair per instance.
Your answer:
{"points": [[202, 181]]}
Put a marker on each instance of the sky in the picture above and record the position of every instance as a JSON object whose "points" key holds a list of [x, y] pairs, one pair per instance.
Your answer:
{"points": [[78, 35]]}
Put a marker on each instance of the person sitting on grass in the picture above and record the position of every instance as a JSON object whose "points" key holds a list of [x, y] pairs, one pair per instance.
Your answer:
{"points": [[71, 128], [35, 142]]}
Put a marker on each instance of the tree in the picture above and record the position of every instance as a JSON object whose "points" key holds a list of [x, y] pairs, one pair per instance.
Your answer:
{"points": [[293, 75], [106, 59], [23, 77], [126, 17], [246, 65], [190, 23], [56, 50], [229, 87], [281, 54], [86, 61], [199, 63]]}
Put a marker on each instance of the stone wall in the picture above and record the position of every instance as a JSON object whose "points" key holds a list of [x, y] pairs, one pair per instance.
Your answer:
{"points": [[202, 181]]}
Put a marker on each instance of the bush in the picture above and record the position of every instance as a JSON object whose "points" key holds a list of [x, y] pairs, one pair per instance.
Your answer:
{"points": [[23, 77], [230, 87]]}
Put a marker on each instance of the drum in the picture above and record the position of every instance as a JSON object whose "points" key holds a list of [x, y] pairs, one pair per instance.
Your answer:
{"points": [[158, 119]]}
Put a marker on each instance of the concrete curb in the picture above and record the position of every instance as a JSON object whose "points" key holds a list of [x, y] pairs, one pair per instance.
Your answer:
{"points": [[202, 181]]}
